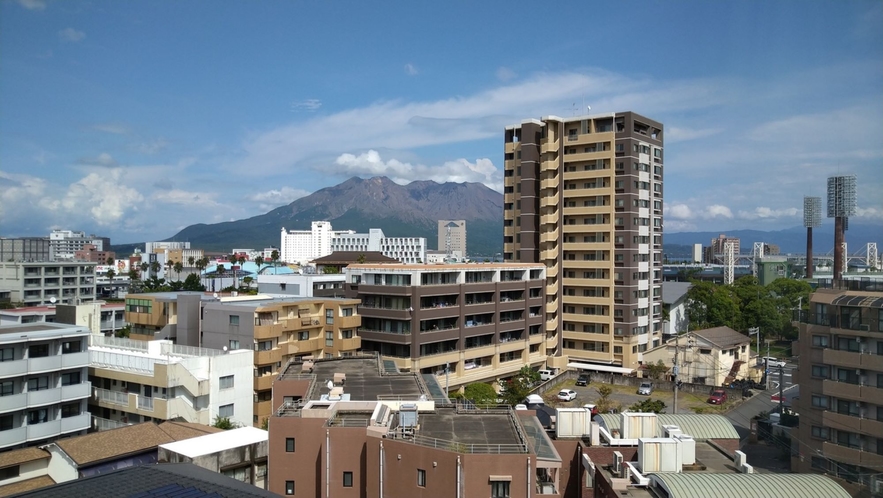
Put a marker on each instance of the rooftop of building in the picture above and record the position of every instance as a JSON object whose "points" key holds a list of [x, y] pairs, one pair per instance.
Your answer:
{"points": [[350, 257], [41, 330], [107, 445], [164, 351], [673, 292], [26, 485], [701, 426], [31, 310], [722, 337], [167, 479], [732, 485], [261, 300], [25, 455], [364, 380], [217, 442]]}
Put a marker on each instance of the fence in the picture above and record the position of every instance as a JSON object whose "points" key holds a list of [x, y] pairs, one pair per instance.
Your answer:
{"points": [[621, 380]]}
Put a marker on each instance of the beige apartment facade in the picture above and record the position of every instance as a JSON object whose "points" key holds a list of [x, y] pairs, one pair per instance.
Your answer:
{"points": [[583, 196]]}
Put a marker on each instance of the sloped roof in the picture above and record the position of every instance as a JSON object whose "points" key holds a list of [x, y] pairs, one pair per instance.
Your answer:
{"points": [[16, 457], [723, 337], [349, 257], [128, 440], [701, 426], [673, 292], [703, 485], [26, 485], [167, 479]]}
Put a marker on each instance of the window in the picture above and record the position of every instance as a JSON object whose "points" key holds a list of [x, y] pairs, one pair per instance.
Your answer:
{"points": [[71, 347], [820, 401], [421, 478], [289, 487], [346, 312], [225, 411], [6, 388], [821, 371], [9, 472], [329, 339], [38, 383], [234, 344], [329, 317], [70, 410], [38, 351], [499, 489], [849, 439], [347, 479], [70, 378], [38, 416], [346, 334], [820, 432], [289, 445], [7, 354], [226, 382], [234, 320], [820, 341], [5, 422], [820, 463], [303, 336]]}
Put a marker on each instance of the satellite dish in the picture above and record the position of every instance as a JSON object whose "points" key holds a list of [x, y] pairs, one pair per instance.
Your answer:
{"points": [[215, 294], [225, 349], [52, 300], [330, 384], [589, 108]]}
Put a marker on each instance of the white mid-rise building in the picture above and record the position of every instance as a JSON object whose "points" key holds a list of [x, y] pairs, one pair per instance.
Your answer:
{"points": [[303, 246], [405, 249], [697, 253], [150, 247], [64, 244]]}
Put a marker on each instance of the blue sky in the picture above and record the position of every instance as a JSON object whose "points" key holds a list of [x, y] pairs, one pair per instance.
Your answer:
{"points": [[136, 119]]}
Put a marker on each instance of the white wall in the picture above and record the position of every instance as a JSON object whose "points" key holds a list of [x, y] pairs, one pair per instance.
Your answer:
{"points": [[239, 364]]}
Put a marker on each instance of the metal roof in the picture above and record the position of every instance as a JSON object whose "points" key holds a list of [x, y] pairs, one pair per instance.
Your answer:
{"points": [[866, 301], [703, 485], [701, 426]]}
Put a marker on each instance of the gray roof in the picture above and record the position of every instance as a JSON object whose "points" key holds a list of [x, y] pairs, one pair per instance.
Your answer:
{"points": [[723, 337], [168, 479], [673, 292], [701, 426], [703, 485]]}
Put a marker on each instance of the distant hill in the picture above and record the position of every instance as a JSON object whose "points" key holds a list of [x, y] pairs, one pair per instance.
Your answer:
{"points": [[359, 204]]}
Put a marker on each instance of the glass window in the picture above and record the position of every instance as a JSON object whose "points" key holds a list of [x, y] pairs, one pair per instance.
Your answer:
{"points": [[421, 478], [289, 487], [234, 344], [347, 479], [38, 351], [820, 401], [499, 489], [70, 410], [303, 336], [38, 416], [234, 319], [38, 383], [225, 411], [6, 388], [7, 354], [70, 378], [820, 371], [346, 312], [820, 432], [820, 341], [289, 445], [329, 338], [329, 316], [226, 382], [71, 347]]}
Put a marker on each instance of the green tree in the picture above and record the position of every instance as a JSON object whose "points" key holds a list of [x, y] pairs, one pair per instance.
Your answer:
{"points": [[649, 406], [192, 283], [155, 267], [711, 305], [657, 370], [247, 281], [143, 267], [260, 262], [190, 261], [604, 403], [109, 260], [481, 393], [274, 257], [179, 267], [361, 259], [330, 270], [123, 331], [520, 385], [224, 423]]}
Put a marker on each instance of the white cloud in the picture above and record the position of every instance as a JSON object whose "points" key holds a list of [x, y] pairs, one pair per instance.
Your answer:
{"points": [[104, 160], [33, 4], [460, 170], [114, 128], [873, 213], [308, 105], [505, 74], [71, 35], [677, 211], [411, 69], [152, 147], [674, 134], [763, 212], [186, 198], [274, 198], [715, 211], [105, 197]]}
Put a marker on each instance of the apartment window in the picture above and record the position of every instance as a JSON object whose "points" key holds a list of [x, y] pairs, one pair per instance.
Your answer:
{"points": [[38, 351], [70, 378], [38, 416], [303, 336], [329, 338], [820, 402], [847, 375], [234, 320], [848, 344], [617, 349], [9, 472], [819, 463], [5, 422], [6, 388], [421, 478], [225, 411], [289, 445], [346, 334], [7, 354], [820, 341], [849, 439], [329, 317], [38, 383], [289, 487], [234, 344], [71, 347], [845, 407], [346, 312], [499, 489], [70, 410], [226, 382], [821, 371], [820, 432], [347, 479]]}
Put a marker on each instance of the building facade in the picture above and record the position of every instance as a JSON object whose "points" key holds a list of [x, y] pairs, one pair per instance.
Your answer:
{"points": [[43, 375], [64, 244], [302, 246], [143, 381], [408, 250], [465, 323], [91, 253], [24, 249], [716, 252], [714, 357], [302, 285], [841, 383], [583, 196], [38, 284], [98, 316], [452, 237]]}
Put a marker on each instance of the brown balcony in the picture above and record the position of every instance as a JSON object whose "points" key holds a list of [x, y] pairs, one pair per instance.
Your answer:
{"points": [[842, 390], [841, 358], [351, 344], [267, 331]]}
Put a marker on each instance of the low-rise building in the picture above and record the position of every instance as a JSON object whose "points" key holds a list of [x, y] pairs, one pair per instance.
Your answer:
{"points": [[674, 306], [135, 381], [713, 357], [463, 322], [100, 317], [44, 283], [43, 377], [239, 453], [408, 250], [301, 285]]}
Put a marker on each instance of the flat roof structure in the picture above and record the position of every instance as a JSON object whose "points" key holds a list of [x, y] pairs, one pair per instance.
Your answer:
{"points": [[703, 485], [214, 443], [364, 382], [701, 426], [479, 428]]}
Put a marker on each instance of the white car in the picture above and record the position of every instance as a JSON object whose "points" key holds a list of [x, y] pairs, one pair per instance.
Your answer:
{"points": [[773, 362], [566, 395]]}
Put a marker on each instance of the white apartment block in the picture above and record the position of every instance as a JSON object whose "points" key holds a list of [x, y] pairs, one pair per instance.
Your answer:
{"points": [[150, 247], [37, 284], [63, 244], [138, 381], [99, 317], [408, 250], [303, 246], [43, 382]]}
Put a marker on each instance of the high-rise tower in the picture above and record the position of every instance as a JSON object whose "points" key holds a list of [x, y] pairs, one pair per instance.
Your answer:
{"points": [[841, 205], [583, 195]]}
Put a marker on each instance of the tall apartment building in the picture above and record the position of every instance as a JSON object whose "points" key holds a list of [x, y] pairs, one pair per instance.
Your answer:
{"points": [[64, 244], [151, 247], [408, 250], [452, 237], [841, 383], [38, 284], [583, 196], [302, 246], [718, 248], [481, 321], [142, 381], [24, 249], [43, 383]]}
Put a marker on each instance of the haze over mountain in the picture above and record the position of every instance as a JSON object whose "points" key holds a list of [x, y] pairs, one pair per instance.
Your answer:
{"points": [[360, 204]]}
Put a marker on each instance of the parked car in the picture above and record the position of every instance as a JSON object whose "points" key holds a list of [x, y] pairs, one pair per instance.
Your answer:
{"points": [[717, 397], [567, 395], [645, 388], [546, 375], [582, 380], [773, 362], [534, 399]]}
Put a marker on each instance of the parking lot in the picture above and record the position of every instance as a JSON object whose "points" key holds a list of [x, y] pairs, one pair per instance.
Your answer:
{"points": [[626, 396]]}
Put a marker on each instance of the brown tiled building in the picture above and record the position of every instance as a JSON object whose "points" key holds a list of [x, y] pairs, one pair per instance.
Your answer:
{"points": [[841, 383], [583, 196], [482, 321]]}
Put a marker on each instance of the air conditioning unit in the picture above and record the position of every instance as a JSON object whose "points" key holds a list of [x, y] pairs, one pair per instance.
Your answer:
{"points": [[864, 326], [858, 340]]}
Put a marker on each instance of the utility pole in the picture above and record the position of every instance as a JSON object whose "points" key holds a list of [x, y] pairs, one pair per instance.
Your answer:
{"points": [[781, 390], [766, 365], [675, 370]]}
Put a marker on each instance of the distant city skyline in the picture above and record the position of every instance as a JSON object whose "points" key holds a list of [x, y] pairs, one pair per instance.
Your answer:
{"points": [[134, 120]]}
